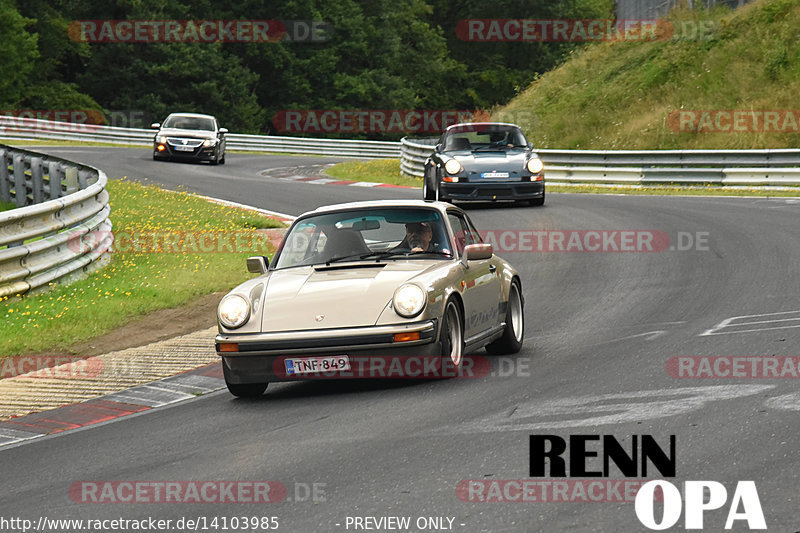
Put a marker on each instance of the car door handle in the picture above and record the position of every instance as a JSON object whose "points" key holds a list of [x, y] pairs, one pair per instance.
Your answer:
{"points": [[492, 269]]}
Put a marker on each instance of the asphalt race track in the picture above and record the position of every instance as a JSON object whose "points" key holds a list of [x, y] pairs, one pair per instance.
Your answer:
{"points": [[601, 327]]}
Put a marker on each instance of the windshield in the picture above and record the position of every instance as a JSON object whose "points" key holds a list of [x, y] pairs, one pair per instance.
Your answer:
{"points": [[478, 137], [365, 235], [189, 123]]}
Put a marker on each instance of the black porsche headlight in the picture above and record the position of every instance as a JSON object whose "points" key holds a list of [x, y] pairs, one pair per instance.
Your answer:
{"points": [[535, 165], [452, 167]]}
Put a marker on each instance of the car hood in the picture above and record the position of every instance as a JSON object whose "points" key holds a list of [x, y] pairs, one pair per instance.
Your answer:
{"points": [[502, 160], [343, 295], [190, 134]]}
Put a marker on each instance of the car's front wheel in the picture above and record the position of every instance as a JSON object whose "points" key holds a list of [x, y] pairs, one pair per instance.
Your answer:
{"points": [[243, 390], [452, 339], [247, 390], [511, 341], [537, 202], [428, 193]]}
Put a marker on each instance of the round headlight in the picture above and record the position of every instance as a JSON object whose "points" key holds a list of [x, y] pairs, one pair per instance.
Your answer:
{"points": [[535, 165], [209, 142], [233, 311], [162, 140], [452, 167], [409, 300]]}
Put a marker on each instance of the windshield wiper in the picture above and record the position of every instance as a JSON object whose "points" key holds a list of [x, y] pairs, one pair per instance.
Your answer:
{"points": [[492, 147]]}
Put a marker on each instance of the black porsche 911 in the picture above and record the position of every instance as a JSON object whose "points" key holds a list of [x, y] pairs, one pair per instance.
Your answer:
{"points": [[484, 161], [190, 137]]}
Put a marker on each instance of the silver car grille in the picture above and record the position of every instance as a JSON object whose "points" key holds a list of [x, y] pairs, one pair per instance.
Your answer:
{"points": [[178, 141]]}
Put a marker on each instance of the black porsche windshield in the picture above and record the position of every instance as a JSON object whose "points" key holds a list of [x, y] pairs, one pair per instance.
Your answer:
{"points": [[484, 137], [365, 235], [189, 123]]}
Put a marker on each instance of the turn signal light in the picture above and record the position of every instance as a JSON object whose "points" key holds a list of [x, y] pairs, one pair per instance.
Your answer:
{"points": [[450, 179], [405, 337], [228, 347]]}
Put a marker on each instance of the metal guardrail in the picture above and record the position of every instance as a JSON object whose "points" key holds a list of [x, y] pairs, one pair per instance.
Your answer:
{"points": [[642, 167], [34, 129], [60, 228]]}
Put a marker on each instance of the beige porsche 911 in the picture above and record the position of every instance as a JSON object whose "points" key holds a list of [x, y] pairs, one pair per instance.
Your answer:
{"points": [[356, 289]]}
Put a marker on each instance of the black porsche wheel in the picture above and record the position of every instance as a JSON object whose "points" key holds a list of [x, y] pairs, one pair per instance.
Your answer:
{"points": [[511, 341], [452, 339], [538, 202], [428, 193]]}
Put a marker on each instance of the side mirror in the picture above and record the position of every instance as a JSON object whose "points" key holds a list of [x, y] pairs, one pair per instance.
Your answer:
{"points": [[530, 146], [223, 131], [438, 148], [155, 126], [476, 252], [257, 264]]}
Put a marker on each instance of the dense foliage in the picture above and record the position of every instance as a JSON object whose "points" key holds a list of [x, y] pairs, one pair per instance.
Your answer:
{"points": [[381, 54]]}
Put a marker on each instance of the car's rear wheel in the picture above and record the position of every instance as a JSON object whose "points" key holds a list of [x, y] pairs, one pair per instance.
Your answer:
{"points": [[511, 341], [452, 338]]}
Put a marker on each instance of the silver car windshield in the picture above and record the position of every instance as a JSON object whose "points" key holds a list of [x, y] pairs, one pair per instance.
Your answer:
{"points": [[189, 123], [365, 235], [480, 137]]}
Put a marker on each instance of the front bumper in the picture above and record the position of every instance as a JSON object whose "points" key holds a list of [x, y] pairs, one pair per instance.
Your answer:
{"points": [[198, 154], [491, 190], [260, 357]]}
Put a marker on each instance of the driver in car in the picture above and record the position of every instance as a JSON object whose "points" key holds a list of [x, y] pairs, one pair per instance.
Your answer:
{"points": [[419, 238]]}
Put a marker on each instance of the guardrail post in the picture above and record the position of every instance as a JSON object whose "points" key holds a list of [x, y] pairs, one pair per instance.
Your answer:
{"points": [[71, 179], [83, 180], [55, 174], [5, 185], [37, 183], [20, 190]]}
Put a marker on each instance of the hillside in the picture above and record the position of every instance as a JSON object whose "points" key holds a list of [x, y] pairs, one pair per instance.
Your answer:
{"points": [[679, 91]]}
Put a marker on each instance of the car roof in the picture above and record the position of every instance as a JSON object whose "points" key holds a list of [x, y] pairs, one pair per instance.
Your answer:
{"points": [[472, 124], [440, 206], [191, 115]]}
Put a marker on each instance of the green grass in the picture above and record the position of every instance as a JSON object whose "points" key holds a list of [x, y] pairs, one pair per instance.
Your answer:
{"points": [[619, 95], [135, 283], [374, 170]]}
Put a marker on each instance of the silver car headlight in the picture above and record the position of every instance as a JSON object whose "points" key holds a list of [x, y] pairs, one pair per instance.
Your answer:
{"points": [[409, 300], [233, 311], [452, 167], [535, 165], [209, 142]]}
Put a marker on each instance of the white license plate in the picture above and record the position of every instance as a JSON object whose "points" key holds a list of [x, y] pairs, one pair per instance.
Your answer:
{"points": [[494, 175], [312, 365], [181, 148]]}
